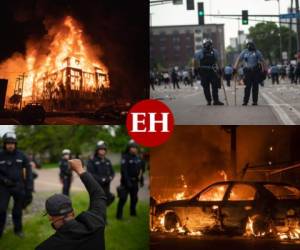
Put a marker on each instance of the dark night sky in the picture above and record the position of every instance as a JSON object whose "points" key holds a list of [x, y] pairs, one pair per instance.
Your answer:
{"points": [[119, 27]]}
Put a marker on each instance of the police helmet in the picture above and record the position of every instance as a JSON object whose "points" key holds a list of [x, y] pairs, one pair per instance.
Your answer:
{"points": [[250, 44], [132, 144], [9, 137], [101, 145], [66, 152], [207, 43]]}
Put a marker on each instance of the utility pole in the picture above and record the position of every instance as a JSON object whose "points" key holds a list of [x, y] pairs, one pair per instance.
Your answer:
{"points": [[298, 27], [22, 79]]}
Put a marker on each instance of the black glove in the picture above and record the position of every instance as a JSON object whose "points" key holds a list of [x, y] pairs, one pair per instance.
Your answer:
{"points": [[234, 72], [8, 182]]}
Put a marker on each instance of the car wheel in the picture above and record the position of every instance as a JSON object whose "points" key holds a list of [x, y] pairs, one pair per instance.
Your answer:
{"points": [[171, 221], [261, 225]]}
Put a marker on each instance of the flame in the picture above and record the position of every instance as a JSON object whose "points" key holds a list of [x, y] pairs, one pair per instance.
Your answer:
{"points": [[182, 195], [64, 57], [223, 174], [290, 234]]}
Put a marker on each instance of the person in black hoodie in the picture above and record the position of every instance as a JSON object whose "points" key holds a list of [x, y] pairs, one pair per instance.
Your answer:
{"points": [[15, 181], [86, 231], [132, 167], [101, 169], [65, 173]]}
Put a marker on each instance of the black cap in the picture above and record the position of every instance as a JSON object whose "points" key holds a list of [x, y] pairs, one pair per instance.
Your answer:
{"points": [[58, 204]]}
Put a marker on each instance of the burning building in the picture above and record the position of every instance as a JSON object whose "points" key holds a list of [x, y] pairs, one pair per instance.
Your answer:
{"points": [[62, 71]]}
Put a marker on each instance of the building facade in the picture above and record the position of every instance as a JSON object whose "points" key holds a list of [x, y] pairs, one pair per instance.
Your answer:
{"points": [[172, 46]]}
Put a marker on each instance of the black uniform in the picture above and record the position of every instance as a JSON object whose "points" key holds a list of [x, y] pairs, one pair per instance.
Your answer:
{"points": [[209, 76], [102, 170], [132, 167], [86, 231], [13, 182], [65, 175]]}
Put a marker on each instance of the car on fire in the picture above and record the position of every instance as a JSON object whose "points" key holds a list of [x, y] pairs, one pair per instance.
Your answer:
{"points": [[233, 207]]}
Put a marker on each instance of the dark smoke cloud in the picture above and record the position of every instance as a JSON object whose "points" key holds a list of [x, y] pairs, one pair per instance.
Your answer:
{"points": [[199, 153]]}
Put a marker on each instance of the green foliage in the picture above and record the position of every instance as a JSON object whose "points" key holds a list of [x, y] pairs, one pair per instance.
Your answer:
{"points": [[52, 139], [266, 37], [131, 233]]}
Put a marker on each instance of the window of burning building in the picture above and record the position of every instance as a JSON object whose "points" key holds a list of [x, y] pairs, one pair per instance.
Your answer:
{"points": [[214, 193], [242, 192], [283, 192]]}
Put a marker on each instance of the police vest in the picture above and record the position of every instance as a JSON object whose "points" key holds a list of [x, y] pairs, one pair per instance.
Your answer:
{"points": [[209, 58]]}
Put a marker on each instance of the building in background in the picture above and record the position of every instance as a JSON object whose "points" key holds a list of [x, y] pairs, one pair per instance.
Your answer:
{"points": [[172, 46]]}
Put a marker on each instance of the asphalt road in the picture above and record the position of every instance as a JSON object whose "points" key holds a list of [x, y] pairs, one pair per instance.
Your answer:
{"points": [[160, 241], [278, 105]]}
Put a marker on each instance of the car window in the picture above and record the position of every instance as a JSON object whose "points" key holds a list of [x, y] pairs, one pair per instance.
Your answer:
{"points": [[214, 193], [242, 192], [283, 192]]}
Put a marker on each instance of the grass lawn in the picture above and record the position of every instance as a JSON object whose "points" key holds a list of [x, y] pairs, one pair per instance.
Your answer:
{"points": [[116, 167], [131, 233]]}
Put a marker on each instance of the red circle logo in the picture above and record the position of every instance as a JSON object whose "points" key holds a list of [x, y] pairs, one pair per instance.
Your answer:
{"points": [[150, 123]]}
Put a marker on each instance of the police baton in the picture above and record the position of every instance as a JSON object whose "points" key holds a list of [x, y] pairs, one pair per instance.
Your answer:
{"points": [[222, 82]]}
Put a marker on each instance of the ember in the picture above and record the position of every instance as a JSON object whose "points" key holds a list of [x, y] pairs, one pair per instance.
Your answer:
{"points": [[67, 71]]}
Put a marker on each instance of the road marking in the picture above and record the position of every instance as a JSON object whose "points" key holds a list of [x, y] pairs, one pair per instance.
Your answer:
{"points": [[278, 110]]}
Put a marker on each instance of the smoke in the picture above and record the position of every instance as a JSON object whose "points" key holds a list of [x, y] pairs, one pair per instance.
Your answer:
{"points": [[199, 153], [196, 152]]}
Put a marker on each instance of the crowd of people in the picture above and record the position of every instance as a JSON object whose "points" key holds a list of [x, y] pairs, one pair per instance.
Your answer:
{"points": [[250, 69]]}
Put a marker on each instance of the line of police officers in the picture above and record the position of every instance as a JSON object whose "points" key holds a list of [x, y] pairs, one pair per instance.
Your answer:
{"points": [[208, 68], [16, 178]]}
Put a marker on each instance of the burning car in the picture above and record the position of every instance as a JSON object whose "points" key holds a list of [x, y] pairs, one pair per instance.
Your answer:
{"points": [[248, 208]]}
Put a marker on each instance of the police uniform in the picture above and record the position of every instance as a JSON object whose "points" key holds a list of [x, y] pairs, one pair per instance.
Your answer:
{"points": [[15, 181], [228, 70], [65, 175], [275, 74], [102, 171], [208, 59], [252, 71], [131, 169]]}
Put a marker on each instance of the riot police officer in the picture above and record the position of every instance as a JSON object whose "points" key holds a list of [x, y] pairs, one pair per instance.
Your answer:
{"points": [[65, 173], [131, 174], [254, 70], [207, 62], [15, 181], [101, 169]]}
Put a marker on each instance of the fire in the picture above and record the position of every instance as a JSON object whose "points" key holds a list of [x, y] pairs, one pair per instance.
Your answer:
{"points": [[182, 195], [290, 234], [62, 62]]}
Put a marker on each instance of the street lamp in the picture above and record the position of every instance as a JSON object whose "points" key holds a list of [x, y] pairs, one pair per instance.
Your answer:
{"points": [[280, 38]]}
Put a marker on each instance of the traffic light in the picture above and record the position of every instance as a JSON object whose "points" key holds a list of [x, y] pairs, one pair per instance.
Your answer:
{"points": [[190, 5], [201, 13], [245, 17]]}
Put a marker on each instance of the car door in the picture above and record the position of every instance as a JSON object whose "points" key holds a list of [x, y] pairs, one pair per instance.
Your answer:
{"points": [[238, 204], [202, 211]]}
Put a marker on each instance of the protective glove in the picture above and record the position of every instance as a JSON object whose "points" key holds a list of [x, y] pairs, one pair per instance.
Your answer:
{"points": [[27, 199]]}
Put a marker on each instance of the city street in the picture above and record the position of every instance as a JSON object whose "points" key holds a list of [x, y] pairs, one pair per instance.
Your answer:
{"points": [[278, 104]]}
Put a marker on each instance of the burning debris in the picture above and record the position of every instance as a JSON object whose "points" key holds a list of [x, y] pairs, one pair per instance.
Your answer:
{"points": [[63, 71], [249, 209]]}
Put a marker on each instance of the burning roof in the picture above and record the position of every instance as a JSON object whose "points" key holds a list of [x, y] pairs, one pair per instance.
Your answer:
{"points": [[62, 61]]}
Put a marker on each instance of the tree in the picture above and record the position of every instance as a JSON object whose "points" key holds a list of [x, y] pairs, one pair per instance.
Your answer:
{"points": [[52, 139], [266, 38]]}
